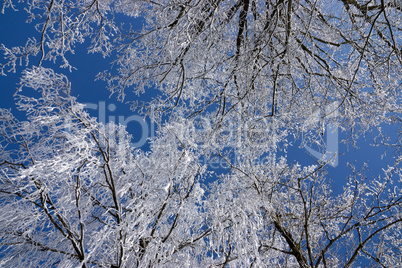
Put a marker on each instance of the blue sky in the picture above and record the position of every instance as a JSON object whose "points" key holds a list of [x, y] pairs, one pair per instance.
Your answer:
{"points": [[84, 87], [94, 93]]}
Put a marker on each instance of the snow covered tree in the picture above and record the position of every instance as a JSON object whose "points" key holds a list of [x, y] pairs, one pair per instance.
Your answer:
{"points": [[74, 192], [249, 74]]}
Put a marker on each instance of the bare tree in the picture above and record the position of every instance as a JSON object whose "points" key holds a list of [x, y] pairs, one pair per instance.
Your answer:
{"points": [[248, 74]]}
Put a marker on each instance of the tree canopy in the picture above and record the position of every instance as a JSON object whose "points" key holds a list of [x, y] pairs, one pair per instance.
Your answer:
{"points": [[252, 75]]}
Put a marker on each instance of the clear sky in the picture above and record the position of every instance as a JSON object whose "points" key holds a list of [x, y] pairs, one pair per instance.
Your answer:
{"points": [[14, 31]]}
